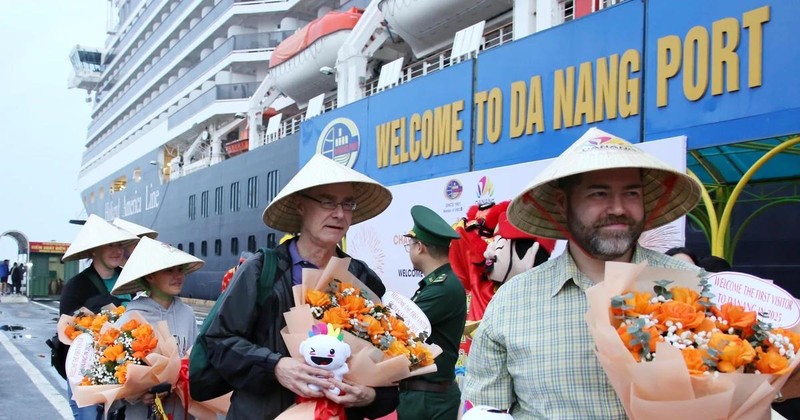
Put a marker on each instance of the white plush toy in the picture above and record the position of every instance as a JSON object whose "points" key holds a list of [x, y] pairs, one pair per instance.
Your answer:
{"points": [[325, 348]]}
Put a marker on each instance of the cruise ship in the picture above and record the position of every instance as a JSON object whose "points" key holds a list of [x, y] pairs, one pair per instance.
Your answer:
{"points": [[202, 110]]}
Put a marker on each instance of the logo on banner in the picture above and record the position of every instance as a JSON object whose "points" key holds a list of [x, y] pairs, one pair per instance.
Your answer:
{"points": [[340, 141], [485, 191], [453, 189]]}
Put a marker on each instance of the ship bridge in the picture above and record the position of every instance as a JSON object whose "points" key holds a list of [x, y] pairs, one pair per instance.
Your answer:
{"points": [[87, 66]]}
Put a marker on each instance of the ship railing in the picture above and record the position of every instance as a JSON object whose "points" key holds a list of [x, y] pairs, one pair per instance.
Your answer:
{"points": [[493, 38], [216, 93]]}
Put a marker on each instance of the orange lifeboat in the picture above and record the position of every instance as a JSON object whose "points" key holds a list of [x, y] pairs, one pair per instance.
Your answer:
{"points": [[296, 62]]}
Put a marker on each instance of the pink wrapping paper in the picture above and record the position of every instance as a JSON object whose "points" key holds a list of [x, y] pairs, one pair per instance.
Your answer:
{"points": [[663, 388], [368, 365], [163, 365]]}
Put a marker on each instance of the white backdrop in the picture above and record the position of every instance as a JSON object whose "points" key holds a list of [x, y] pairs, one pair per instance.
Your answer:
{"points": [[379, 241]]}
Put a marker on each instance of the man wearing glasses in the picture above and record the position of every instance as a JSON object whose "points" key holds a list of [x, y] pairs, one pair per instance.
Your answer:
{"points": [[443, 300], [244, 343]]}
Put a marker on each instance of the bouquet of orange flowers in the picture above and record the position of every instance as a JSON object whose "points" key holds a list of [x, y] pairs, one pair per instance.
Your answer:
{"points": [[344, 306], [122, 361], [384, 350], [670, 352]]}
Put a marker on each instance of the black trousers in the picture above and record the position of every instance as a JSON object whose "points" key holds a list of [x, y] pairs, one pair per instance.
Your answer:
{"points": [[16, 285]]}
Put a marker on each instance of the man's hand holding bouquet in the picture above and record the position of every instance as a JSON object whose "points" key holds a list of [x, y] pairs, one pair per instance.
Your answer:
{"points": [[671, 352], [384, 349], [108, 362]]}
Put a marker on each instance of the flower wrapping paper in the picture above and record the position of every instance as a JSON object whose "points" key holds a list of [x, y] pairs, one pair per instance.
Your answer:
{"points": [[201, 410], [663, 388], [368, 365]]}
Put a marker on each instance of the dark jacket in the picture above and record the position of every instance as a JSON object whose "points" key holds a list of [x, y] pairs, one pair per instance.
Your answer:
{"points": [[244, 341], [81, 291]]}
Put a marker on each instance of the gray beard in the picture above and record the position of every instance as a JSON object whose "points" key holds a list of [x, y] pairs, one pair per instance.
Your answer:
{"points": [[605, 246]]}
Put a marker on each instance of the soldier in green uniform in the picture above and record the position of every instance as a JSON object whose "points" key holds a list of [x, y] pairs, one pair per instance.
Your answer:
{"points": [[443, 300]]}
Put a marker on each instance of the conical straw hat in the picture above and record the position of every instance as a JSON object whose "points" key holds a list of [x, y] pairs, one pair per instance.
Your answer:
{"points": [[135, 229], [668, 193], [94, 233], [148, 257], [372, 197]]}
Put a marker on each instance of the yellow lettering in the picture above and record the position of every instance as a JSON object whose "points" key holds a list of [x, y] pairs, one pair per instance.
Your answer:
{"points": [[584, 103], [516, 117], [669, 63], [695, 59], [396, 140], [754, 21], [721, 52], [607, 85], [535, 107], [413, 140], [494, 120], [382, 140], [479, 100], [427, 134], [441, 123], [456, 125], [629, 85], [403, 152], [564, 97]]}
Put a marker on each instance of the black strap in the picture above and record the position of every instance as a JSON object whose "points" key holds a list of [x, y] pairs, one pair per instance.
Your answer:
{"points": [[97, 281]]}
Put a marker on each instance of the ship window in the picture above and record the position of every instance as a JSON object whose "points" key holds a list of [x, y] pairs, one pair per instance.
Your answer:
{"points": [[251, 243], [91, 197], [192, 207], [218, 200], [270, 240], [204, 204], [273, 185], [218, 247], [234, 246], [252, 192], [191, 248], [203, 248], [180, 247], [235, 196], [101, 193], [137, 175], [119, 184]]}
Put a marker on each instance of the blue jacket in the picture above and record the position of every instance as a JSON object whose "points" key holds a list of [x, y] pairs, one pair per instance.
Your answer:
{"points": [[3, 269]]}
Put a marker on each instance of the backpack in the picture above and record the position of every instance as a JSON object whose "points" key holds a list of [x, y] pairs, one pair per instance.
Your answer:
{"points": [[205, 382]]}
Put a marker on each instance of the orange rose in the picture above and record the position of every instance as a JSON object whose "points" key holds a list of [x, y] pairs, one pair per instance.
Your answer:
{"points": [[338, 317], [84, 321], [694, 360], [733, 351], [343, 285], [71, 332], [737, 318], [396, 328], [317, 298], [688, 296], [374, 328], [108, 337], [98, 322], [122, 373], [118, 311], [130, 325], [397, 348], [771, 362], [679, 312], [142, 331], [640, 305], [143, 346], [86, 381], [354, 305], [421, 354], [636, 349], [115, 353]]}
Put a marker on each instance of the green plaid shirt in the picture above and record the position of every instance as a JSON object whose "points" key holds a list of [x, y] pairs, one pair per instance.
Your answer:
{"points": [[533, 352]]}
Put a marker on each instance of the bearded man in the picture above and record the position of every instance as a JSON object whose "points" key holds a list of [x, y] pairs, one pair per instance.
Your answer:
{"points": [[532, 354]]}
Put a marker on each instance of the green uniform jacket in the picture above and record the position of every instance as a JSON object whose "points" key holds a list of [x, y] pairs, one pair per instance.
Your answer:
{"points": [[443, 300]]}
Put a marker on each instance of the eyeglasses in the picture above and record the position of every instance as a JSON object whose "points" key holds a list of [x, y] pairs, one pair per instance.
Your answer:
{"points": [[331, 205], [408, 245]]}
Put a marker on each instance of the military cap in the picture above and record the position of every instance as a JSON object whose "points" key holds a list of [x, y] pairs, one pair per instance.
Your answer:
{"points": [[430, 228]]}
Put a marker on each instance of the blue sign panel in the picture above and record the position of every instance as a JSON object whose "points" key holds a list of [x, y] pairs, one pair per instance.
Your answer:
{"points": [[341, 135], [536, 96], [722, 71], [422, 130]]}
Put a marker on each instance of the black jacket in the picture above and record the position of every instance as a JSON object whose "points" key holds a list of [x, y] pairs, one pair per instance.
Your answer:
{"points": [[244, 341], [81, 291]]}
